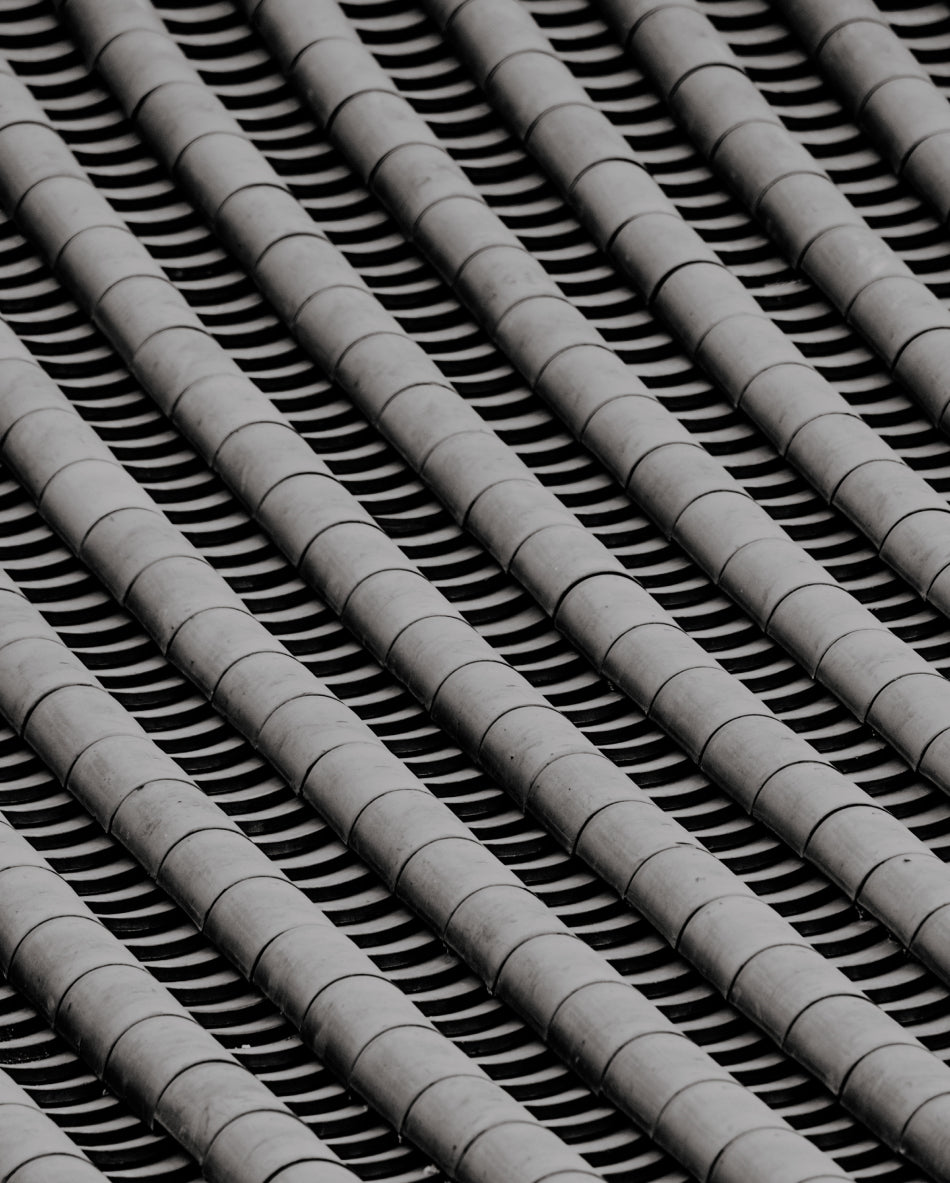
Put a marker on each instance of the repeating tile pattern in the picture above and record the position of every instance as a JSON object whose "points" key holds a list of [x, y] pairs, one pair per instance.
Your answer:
{"points": [[476, 561]]}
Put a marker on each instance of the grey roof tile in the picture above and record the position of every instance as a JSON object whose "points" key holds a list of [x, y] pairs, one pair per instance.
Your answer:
{"points": [[447, 619]]}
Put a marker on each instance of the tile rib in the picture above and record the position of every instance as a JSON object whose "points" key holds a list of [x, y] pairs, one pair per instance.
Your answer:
{"points": [[619, 627], [131, 1031], [349, 1013], [811, 220]]}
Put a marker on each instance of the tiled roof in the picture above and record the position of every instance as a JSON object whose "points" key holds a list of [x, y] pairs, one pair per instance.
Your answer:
{"points": [[476, 560]]}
